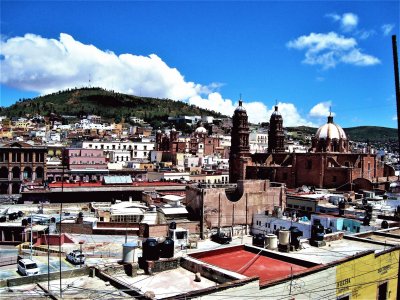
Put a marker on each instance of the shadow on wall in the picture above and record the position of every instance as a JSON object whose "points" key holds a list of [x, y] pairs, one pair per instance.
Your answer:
{"points": [[235, 194]]}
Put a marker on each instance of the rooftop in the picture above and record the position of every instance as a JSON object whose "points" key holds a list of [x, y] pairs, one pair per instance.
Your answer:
{"points": [[267, 265]]}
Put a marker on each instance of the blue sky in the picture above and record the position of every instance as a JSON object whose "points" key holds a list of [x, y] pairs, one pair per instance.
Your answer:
{"points": [[305, 55]]}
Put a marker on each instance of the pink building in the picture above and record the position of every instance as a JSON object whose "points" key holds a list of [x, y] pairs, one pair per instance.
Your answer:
{"points": [[86, 164]]}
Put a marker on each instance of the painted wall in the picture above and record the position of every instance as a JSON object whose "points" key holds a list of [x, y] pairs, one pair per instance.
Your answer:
{"points": [[361, 277]]}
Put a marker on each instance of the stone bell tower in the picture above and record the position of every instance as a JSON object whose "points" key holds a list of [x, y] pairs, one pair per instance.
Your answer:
{"points": [[240, 150]]}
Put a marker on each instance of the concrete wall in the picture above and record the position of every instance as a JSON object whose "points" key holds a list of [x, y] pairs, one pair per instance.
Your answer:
{"points": [[161, 230], [218, 207], [43, 277]]}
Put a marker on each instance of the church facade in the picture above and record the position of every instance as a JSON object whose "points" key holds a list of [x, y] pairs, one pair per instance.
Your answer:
{"points": [[328, 164]]}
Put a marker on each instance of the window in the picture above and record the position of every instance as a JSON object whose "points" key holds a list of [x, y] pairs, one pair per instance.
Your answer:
{"points": [[90, 145], [290, 205], [135, 154], [334, 179], [274, 227], [113, 147], [382, 291], [309, 209], [145, 147], [135, 147]]}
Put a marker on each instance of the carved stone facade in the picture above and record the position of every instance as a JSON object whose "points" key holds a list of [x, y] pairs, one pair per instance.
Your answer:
{"points": [[240, 149], [21, 163], [276, 136], [329, 164]]}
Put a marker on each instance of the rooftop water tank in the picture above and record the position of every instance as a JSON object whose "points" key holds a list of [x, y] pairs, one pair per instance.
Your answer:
{"points": [[295, 235], [128, 252], [259, 240], [151, 250], [271, 241], [284, 237], [167, 248]]}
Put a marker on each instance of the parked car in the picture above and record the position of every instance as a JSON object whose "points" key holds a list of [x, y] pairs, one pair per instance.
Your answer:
{"points": [[28, 267], [76, 257]]}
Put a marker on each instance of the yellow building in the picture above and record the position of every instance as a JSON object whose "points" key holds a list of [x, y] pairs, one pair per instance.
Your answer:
{"points": [[370, 276]]}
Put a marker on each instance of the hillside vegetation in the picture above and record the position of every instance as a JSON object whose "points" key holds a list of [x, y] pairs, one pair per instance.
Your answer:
{"points": [[373, 134], [117, 107], [108, 104]]}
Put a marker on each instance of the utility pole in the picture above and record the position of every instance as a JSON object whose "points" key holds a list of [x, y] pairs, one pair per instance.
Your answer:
{"points": [[396, 81], [30, 256], [61, 208]]}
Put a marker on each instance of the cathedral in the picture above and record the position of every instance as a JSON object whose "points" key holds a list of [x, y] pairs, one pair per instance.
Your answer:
{"points": [[328, 163]]}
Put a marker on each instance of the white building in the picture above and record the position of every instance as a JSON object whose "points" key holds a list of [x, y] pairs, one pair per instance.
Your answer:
{"points": [[122, 150], [258, 141]]}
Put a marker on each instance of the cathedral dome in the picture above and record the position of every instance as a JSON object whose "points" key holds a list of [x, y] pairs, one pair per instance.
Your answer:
{"points": [[331, 131], [201, 129], [240, 107]]}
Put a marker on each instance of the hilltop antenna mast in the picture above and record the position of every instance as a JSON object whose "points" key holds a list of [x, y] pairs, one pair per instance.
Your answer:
{"points": [[90, 80], [396, 81]]}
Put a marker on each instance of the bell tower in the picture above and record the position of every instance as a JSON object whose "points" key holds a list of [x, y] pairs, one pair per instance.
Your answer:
{"points": [[240, 150], [276, 136]]}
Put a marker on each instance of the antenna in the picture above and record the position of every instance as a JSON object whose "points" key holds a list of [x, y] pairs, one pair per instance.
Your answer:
{"points": [[330, 110], [90, 79]]}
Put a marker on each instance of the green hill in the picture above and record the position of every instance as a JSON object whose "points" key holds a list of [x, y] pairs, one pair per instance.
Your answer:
{"points": [[108, 104], [374, 134]]}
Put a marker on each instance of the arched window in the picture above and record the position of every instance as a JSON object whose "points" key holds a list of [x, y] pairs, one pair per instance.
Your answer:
{"points": [[3, 172], [39, 173], [16, 172], [27, 173]]}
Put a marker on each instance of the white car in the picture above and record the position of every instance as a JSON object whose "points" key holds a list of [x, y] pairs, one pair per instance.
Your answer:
{"points": [[28, 267], [76, 257]]}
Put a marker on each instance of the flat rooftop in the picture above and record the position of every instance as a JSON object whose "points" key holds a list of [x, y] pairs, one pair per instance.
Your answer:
{"points": [[388, 236], [167, 283], [334, 250], [267, 265]]}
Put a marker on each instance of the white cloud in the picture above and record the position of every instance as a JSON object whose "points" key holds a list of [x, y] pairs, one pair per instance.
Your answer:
{"points": [[394, 118], [348, 21], [329, 49], [364, 34], [290, 114], [387, 28], [335, 17], [46, 65], [321, 109]]}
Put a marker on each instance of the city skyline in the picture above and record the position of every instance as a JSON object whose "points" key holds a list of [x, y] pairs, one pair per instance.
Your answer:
{"points": [[305, 56]]}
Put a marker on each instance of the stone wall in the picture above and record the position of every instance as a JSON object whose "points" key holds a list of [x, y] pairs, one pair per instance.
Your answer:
{"points": [[220, 207]]}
